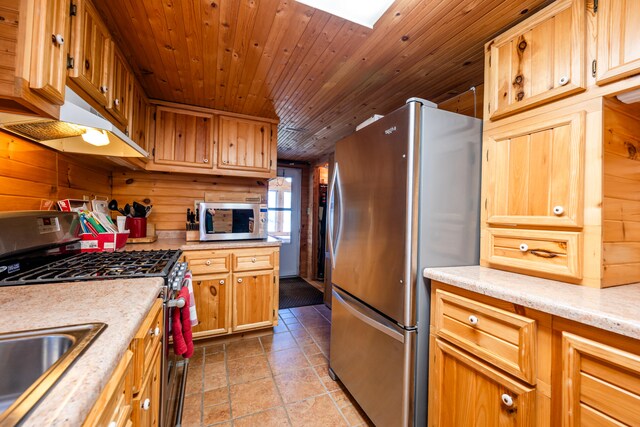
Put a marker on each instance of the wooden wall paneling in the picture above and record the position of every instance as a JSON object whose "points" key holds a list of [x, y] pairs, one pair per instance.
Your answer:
{"points": [[279, 58], [30, 172], [621, 228], [464, 103], [172, 194]]}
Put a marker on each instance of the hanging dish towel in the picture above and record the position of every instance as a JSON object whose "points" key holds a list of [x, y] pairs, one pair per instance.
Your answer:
{"points": [[192, 301], [181, 327]]}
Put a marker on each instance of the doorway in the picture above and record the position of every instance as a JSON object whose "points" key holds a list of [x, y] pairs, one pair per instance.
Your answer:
{"points": [[283, 201]]}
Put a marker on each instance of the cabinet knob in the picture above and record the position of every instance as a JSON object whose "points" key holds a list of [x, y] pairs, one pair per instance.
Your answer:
{"points": [[507, 400], [146, 404], [473, 320], [208, 262], [563, 80], [116, 102], [221, 282], [225, 162], [205, 160], [240, 280], [154, 332], [524, 247], [104, 89], [253, 260], [57, 39], [558, 210], [113, 424]]}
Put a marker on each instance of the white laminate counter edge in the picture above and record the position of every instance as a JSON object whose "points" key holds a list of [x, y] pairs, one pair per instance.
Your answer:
{"points": [[121, 304], [615, 309]]}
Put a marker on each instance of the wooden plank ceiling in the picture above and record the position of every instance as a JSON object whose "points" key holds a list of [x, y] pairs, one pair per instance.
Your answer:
{"points": [[320, 74]]}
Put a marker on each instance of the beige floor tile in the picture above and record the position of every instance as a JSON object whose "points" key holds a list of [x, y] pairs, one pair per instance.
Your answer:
{"points": [[216, 396], [214, 358], [255, 396], [191, 416], [295, 326], [194, 385], [318, 360], [285, 314], [300, 333], [278, 342], [287, 360], [243, 348], [216, 414], [299, 385], [311, 349], [290, 321], [213, 348], [315, 412], [276, 417], [193, 400], [248, 369], [214, 369], [342, 398], [355, 416], [323, 373], [280, 328]]}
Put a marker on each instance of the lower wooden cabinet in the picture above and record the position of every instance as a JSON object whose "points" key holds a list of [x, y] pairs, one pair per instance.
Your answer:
{"points": [[132, 395], [235, 290], [468, 392], [581, 375]]}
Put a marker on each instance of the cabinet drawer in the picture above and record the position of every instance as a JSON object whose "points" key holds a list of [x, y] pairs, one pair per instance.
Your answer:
{"points": [[114, 404], [547, 253], [504, 339], [248, 261], [208, 262], [146, 404], [145, 343], [600, 384]]}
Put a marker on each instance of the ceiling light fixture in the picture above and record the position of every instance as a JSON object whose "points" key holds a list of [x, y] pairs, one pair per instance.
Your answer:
{"points": [[95, 137], [630, 97], [363, 12]]}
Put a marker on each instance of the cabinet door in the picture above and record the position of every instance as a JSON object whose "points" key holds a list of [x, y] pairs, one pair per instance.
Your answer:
{"points": [[91, 52], [534, 173], [138, 116], [49, 49], [210, 293], [600, 384], [253, 300], [538, 61], [146, 404], [467, 392], [119, 95], [183, 138], [244, 144], [618, 39]]}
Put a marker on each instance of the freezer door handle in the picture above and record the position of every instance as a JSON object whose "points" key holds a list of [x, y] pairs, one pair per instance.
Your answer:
{"points": [[353, 307], [334, 188]]}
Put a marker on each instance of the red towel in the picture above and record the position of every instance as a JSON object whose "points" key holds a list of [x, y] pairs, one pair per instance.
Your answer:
{"points": [[181, 327]]}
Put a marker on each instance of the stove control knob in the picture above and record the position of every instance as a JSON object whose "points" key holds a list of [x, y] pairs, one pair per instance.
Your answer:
{"points": [[183, 266]]}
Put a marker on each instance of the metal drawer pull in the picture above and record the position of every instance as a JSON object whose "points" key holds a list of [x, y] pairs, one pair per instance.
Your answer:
{"points": [[558, 210], [176, 303], [240, 280], [524, 247], [146, 404], [543, 254], [507, 400], [473, 320]]}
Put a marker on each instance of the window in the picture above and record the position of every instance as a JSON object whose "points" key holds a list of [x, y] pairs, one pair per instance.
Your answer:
{"points": [[279, 204]]}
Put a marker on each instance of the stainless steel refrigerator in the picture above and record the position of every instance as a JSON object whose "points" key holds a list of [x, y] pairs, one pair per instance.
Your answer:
{"points": [[404, 195]]}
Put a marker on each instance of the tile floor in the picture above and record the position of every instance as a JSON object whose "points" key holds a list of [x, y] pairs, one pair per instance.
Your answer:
{"points": [[275, 380]]}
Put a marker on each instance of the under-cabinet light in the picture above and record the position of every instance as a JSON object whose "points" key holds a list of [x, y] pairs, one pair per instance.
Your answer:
{"points": [[363, 12], [95, 137], [630, 97]]}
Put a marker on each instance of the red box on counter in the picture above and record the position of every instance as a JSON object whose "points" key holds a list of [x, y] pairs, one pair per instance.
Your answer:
{"points": [[103, 242]]}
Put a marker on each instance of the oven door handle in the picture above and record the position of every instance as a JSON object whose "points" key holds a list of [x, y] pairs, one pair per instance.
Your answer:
{"points": [[179, 303]]}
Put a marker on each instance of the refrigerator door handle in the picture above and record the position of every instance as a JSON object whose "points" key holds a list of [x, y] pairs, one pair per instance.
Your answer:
{"points": [[351, 306], [335, 183]]}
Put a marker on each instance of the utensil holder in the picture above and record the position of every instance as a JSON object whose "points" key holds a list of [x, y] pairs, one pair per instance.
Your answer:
{"points": [[137, 227]]}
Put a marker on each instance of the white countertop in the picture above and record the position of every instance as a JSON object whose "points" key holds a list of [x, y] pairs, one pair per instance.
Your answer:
{"points": [[121, 304], [615, 309]]}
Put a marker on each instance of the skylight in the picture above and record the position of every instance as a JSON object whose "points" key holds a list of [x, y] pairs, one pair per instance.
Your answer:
{"points": [[363, 12]]}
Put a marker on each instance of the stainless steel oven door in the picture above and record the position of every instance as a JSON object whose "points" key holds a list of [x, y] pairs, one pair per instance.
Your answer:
{"points": [[174, 371], [232, 221]]}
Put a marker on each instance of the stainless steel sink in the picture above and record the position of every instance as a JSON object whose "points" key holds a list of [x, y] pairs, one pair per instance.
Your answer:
{"points": [[32, 361]]}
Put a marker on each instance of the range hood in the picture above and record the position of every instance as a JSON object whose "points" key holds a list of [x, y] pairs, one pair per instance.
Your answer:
{"points": [[78, 123]]}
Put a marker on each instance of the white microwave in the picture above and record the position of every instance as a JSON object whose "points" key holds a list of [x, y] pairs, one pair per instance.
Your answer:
{"points": [[232, 221]]}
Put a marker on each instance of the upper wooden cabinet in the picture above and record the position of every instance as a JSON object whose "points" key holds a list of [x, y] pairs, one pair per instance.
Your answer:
{"points": [[183, 138], [121, 84], [244, 144], [537, 61], [618, 39], [91, 52], [534, 172], [138, 117], [49, 55]]}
